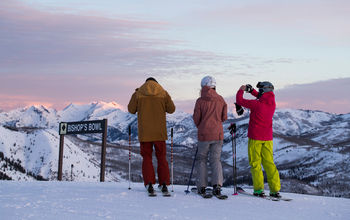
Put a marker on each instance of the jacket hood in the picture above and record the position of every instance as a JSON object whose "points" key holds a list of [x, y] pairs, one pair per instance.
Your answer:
{"points": [[151, 88], [208, 94], [268, 98]]}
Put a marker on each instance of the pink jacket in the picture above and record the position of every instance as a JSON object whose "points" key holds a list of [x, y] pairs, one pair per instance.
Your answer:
{"points": [[261, 113], [209, 113]]}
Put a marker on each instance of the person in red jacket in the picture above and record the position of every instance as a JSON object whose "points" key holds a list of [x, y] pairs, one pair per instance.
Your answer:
{"points": [[209, 113], [260, 145]]}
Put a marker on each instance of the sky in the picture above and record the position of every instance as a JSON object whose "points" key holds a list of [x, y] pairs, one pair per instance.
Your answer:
{"points": [[59, 52]]}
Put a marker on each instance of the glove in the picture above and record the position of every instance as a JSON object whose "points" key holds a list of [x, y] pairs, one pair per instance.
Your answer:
{"points": [[249, 88], [232, 128], [239, 109]]}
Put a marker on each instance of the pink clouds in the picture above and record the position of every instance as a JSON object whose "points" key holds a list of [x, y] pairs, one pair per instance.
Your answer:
{"points": [[330, 96], [54, 56], [47, 41], [33, 37], [57, 58], [59, 90], [12, 101]]}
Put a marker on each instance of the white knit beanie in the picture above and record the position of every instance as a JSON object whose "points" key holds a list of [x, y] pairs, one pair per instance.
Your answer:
{"points": [[208, 81]]}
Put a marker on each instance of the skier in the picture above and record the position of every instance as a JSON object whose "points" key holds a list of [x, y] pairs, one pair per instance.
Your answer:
{"points": [[152, 102], [209, 113], [260, 140]]}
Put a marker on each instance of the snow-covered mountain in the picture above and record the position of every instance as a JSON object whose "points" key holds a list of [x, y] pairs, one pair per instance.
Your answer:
{"points": [[312, 148]]}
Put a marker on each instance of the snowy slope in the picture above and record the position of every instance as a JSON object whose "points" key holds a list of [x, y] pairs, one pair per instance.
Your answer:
{"points": [[37, 151], [82, 200]]}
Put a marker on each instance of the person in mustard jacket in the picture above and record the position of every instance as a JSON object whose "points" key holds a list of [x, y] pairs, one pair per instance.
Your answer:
{"points": [[152, 102], [260, 145]]}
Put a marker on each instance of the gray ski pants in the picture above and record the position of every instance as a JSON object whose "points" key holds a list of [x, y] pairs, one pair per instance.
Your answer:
{"points": [[213, 149]]}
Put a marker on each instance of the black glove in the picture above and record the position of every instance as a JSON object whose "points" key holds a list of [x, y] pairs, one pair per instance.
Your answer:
{"points": [[239, 109], [249, 88], [232, 128]]}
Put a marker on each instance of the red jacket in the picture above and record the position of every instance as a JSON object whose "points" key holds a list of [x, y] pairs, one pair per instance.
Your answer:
{"points": [[209, 113], [261, 113]]}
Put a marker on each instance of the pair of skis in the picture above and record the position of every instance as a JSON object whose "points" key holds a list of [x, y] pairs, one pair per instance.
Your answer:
{"points": [[153, 193], [208, 193], [243, 192]]}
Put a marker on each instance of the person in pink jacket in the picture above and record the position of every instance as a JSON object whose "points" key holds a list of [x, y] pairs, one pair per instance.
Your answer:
{"points": [[209, 113], [260, 145]]}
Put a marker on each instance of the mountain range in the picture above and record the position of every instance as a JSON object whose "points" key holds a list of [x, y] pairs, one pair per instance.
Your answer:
{"points": [[311, 148]]}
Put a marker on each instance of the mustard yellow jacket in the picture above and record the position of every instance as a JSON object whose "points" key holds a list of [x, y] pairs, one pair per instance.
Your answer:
{"points": [[151, 102]]}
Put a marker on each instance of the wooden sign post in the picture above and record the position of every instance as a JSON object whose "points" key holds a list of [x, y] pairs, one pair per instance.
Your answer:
{"points": [[83, 127]]}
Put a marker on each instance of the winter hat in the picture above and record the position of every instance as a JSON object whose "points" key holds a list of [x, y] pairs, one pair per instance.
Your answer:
{"points": [[152, 79], [208, 81]]}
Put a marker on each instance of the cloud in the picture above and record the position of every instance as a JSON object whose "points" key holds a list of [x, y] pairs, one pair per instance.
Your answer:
{"points": [[15, 101], [33, 37], [58, 57], [57, 91], [330, 96], [315, 18], [59, 42]]}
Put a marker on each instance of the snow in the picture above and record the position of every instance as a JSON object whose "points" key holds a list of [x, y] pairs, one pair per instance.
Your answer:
{"points": [[33, 116], [87, 200], [38, 152], [296, 122], [76, 112]]}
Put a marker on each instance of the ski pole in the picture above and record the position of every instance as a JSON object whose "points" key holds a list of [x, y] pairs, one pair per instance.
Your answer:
{"points": [[233, 133], [129, 156], [235, 167], [172, 164], [189, 180]]}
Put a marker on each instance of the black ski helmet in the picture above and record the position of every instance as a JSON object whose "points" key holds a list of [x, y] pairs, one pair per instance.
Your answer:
{"points": [[264, 87]]}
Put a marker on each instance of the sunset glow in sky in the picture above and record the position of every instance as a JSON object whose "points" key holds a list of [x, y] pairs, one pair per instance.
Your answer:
{"points": [[56, 52]]}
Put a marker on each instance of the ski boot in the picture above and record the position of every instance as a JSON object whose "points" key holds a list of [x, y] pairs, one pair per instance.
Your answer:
{"points": [[203, 192], [217, 192], [150, 190], [259, 193], [275, 195], [164, 189]]}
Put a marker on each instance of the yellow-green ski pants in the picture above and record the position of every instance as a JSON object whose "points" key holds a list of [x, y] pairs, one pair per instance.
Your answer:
{"points": [[261, 152]]}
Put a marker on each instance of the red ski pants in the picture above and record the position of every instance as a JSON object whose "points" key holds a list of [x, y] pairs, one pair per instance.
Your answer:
{"points": [[147, 165]]}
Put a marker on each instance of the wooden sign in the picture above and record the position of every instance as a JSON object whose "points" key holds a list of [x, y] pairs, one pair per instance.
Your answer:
{"points": [[83, 127]]}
